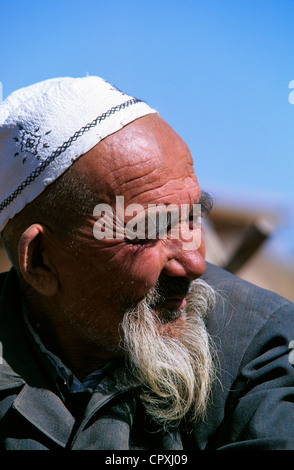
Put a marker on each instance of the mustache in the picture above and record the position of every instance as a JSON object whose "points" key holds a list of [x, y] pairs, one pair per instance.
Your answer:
{"points": [[164, 289], [167, 288]]}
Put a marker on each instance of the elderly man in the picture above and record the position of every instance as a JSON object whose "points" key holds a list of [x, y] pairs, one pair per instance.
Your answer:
{"points": [[117, 339]]}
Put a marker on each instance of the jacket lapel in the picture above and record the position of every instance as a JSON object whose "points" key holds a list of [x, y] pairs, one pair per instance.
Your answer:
{"points": [[46, 412]]}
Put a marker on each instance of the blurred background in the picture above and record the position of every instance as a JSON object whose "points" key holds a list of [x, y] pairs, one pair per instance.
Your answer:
{"points": [[221, 72]]}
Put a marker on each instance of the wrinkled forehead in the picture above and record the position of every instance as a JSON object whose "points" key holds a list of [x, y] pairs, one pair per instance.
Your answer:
{"points": [[146, 159]]}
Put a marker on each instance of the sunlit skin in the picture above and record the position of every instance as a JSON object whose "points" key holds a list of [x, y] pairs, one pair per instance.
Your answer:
{"points": [[146, 162]]}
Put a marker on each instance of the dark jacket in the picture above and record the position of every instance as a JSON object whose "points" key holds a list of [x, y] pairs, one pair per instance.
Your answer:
{"points": [[252, 405]]}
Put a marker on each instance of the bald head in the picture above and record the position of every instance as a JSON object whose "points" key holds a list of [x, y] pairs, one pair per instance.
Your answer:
{"points": [[130, 161]]}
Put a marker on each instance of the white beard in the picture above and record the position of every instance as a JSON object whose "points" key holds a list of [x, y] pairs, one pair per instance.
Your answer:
{"points": [[177, 371]]}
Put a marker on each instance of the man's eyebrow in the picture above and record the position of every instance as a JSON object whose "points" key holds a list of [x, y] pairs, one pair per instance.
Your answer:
{"points": [[206, 202]]}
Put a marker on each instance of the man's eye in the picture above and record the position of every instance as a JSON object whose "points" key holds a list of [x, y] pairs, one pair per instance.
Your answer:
{"points": [[193, 220]]}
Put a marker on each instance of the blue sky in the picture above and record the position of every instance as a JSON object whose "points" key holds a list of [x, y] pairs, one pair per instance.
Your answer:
{"points": [[217, 70]]}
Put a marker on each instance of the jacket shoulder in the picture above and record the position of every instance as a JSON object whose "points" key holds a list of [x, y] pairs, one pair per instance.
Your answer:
{"points": [[246, 319], [252, 329], [240, 294]]}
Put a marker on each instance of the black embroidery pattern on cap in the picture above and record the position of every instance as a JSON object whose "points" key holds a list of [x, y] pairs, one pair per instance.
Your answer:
{"points": [[64, 147], [30, 142]]}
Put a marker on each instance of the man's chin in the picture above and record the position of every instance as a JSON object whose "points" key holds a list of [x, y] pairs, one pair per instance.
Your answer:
{"points": [[175, 325]]}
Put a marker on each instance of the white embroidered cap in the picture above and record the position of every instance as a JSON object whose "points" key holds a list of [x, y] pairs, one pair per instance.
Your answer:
{"points": [[45, 127]]}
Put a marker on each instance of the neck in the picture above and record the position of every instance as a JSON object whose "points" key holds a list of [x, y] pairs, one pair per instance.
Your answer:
{"points": [[63, 338]]}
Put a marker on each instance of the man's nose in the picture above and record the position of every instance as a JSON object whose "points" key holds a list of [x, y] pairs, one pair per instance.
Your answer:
{"points": [[185, 263]]}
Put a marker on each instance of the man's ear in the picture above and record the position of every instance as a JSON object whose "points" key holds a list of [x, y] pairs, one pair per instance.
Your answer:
{"points": [[34, 261]]}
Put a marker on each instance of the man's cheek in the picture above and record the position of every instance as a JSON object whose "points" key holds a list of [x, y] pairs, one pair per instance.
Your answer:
{"points": [[146, 272]]}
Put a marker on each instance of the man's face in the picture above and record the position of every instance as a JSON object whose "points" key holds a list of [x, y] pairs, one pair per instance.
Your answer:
{"points": [[147, 163]]}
